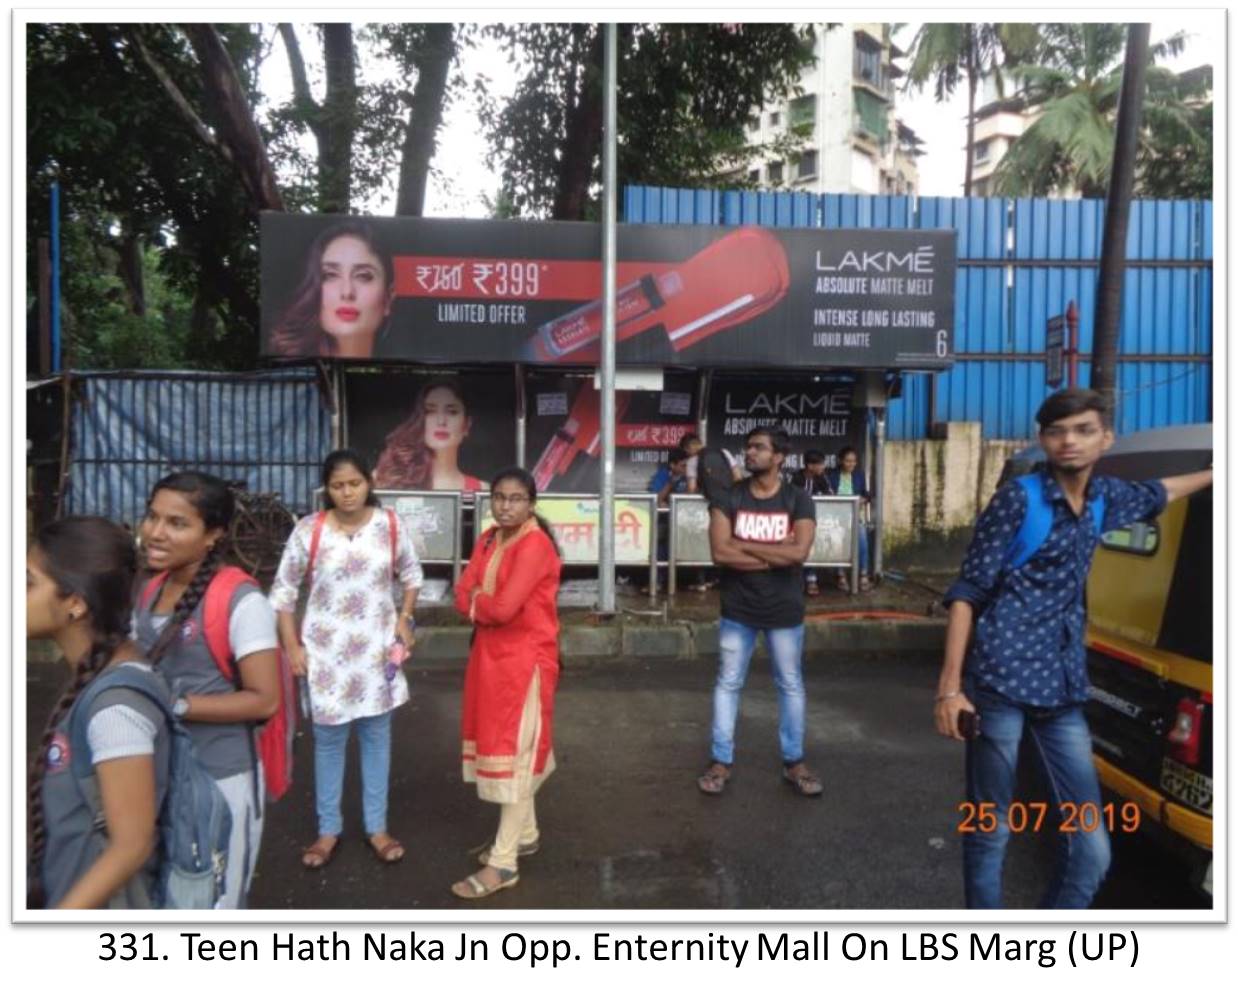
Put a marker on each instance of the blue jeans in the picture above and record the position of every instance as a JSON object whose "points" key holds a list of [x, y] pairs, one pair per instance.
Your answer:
{"points": [[1063, 748], [330, 748], [735, 645]]}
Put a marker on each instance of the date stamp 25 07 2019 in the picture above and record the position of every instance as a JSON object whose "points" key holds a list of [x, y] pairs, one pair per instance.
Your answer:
{"points": [[1021, 817]]}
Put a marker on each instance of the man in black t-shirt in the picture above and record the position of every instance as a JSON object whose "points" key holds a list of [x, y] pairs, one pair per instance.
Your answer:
{"points": [[761, 532]]}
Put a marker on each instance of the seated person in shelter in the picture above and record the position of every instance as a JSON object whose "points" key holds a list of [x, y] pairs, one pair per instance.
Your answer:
{"points": [[670, 477]]}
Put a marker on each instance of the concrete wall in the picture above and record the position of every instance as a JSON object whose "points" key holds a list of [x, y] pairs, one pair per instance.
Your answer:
{"points": [[935, 488]]}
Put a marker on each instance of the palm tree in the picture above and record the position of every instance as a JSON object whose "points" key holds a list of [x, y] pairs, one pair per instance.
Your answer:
{"points": [[945, 53], [1074, 82]]}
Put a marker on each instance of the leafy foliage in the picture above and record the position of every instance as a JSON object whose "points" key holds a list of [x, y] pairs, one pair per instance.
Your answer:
{"points": [[1073, 82], [945, 54], [684, 95], [101, 125]]}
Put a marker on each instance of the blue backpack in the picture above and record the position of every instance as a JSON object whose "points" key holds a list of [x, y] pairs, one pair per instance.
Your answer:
{"points": [[1038, 521], [194, 821]]}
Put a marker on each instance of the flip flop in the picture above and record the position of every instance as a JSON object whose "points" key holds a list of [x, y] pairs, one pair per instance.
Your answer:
{"points": [[384, 853], [321, 856], [473, 888], [803, 782], [714, 780]]}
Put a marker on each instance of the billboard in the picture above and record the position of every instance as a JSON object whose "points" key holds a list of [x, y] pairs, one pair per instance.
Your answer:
{"points": [[815, 411], [563, 441], [576, 520], [449, 291], [425, 431]]}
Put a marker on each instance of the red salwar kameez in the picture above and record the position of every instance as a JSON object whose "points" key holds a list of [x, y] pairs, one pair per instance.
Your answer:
{"points": [[515, 654]]}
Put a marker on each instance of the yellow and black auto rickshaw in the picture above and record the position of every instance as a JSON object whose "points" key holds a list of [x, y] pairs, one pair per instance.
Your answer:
{"points": [[1149, 646]]}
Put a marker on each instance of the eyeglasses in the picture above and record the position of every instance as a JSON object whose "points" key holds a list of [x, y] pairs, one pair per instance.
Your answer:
{"points": [[508, 499]]}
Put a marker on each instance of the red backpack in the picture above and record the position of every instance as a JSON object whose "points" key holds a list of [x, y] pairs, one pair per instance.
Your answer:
{"points": [[275, 735]]}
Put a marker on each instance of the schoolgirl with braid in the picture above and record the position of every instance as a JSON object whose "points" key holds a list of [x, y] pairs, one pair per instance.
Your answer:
{"points": [[183, 536], [92, 838]]}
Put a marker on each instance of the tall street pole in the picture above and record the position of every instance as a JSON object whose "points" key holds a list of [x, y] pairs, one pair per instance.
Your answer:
{"points": [[1117, 215], [606, 541]]}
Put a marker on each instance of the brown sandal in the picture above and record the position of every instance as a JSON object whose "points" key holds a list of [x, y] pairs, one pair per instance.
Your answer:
{"points": [[316, 856], [384, 852], [801, 780], [714, 780]]}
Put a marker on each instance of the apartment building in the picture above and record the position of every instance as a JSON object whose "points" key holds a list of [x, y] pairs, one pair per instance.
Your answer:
{"points": [[854, 144]]}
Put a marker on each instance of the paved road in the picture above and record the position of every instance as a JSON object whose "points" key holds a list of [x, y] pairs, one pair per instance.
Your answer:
{"points": [[623, 825]]}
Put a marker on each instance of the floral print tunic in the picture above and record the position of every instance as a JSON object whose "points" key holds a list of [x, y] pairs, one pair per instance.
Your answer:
{"points": [[350, 614]]}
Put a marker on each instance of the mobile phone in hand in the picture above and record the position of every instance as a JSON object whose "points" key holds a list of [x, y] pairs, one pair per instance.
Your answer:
{"points": [[969, 724]]}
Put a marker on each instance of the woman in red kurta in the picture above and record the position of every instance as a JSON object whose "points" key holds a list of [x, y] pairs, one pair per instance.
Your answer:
{"points": [[508, 591]]}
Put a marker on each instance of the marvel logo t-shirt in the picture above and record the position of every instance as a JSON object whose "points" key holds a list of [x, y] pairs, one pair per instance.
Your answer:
{"points": [[771, 599]]}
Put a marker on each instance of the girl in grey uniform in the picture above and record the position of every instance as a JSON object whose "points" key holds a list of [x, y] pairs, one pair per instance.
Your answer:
{"points": [[93, 827], [183, 533]]}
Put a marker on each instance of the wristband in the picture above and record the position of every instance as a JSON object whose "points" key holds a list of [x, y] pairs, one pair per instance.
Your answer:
{"points": [[948, 695]]}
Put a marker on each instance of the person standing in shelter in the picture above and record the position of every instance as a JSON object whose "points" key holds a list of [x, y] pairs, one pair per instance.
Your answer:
{"points": [[1015, 663], [93, 838], [183, 537], [352, 643], [847, 480], [691, 444], [811, 480], [761, 531], [508, 592]]}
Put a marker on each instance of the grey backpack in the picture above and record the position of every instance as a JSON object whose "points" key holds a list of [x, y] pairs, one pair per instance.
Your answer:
{"points": [[194, 821]]}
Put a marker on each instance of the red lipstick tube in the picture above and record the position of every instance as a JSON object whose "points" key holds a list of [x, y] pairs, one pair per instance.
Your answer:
{"points": [[728, 282]]}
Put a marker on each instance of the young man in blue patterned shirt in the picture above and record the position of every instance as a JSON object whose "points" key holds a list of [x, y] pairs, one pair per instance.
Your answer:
{"points": [[1025, 670]]}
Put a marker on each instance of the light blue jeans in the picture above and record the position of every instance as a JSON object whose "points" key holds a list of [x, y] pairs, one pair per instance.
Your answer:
{"points": [[330, 749], [735, 645], [1063, 748]]}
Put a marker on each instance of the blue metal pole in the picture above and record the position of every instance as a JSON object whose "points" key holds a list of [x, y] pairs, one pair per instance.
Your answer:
{"points": [[55, 267]]}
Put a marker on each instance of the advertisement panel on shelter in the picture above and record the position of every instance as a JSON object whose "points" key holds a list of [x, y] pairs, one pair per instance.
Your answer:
{"points": [[816, 412], [425, 431], [576, 524], [564, 439], [456, 291]]}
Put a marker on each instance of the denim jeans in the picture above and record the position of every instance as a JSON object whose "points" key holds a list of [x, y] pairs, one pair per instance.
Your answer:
{"points": [[330, 748], [1063, 749], [735, 645]]}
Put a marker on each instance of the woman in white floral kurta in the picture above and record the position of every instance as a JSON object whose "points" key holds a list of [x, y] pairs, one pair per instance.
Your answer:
{"points": [[350, 624]]}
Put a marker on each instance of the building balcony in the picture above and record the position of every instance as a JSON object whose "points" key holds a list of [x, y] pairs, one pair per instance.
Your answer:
{"points": [[882, 88]]}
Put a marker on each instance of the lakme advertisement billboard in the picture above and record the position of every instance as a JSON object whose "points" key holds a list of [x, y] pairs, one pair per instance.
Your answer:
{"points": [[448, 291], [815, 412]]}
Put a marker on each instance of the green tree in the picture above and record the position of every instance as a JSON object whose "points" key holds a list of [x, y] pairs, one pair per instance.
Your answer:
{"points": [[684, 95], [1073, 84], [134, 178], [162, 141], [947, 53]]}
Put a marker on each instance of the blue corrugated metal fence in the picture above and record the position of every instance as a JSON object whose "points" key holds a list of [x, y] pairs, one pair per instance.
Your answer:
{"points": [[129, 429], [1020, 262]]}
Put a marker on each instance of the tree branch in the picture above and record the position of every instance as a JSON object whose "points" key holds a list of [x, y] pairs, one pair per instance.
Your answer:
{"points": [[302, 98], [237, 127], [198, 126], [433, 59]]}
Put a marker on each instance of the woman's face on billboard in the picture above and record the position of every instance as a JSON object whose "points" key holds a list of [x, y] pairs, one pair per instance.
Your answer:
{"points": [[355, 297], [447, 422]]}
